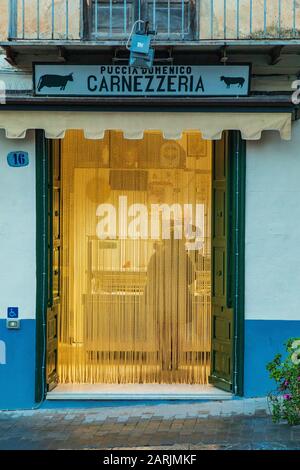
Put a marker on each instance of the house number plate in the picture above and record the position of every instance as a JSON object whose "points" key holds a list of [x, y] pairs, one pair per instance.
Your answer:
{"points": [[18, 159]]}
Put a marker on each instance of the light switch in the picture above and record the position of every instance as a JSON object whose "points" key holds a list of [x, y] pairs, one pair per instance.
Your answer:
{"points": [[13, 324]]}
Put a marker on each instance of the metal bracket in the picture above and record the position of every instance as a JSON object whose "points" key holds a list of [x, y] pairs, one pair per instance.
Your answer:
{"points": [[223, 55], [62, 54], [275, 55], [10, 55]]}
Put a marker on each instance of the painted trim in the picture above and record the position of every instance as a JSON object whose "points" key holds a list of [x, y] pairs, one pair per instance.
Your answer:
{"points": [[238, 194], [41, 264], [17, 373], [235, 283], [148, 106], [237, 153]]}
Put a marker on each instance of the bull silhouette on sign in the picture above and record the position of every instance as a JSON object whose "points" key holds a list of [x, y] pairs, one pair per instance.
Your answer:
{"points": [[55, 81], [233, 81]]}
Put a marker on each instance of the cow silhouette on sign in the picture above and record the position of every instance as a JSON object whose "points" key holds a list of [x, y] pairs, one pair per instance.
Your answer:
{"points": [[240, 81], [55, 81]]}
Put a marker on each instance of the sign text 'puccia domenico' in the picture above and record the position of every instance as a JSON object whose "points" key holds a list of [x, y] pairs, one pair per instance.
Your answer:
{"points": [[160, 80]]}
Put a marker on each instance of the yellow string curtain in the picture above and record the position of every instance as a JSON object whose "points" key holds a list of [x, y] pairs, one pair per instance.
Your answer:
{"points": [[136, 303]]}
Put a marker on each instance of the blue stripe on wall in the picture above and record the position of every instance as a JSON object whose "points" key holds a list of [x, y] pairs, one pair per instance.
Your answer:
{"points": [[17, 376], [264, 339]]}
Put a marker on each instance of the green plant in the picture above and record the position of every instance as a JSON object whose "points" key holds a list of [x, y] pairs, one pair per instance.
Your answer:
{"points": [[285, 401]]}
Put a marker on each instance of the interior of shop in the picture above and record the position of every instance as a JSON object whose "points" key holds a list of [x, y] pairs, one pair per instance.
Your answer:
{"points": [[135, 259]]}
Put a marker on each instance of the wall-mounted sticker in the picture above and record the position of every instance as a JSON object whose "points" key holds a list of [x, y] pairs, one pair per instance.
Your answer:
{"points": [[18, 159], [13, 312]]}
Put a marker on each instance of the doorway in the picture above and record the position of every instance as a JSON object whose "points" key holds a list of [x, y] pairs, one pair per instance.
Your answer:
{"points": [[137, 299]]}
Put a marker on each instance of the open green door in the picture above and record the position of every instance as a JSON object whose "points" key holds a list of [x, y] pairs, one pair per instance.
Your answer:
{"points": [[222, 311], [48, 246], [54, 256], [228, 262]]}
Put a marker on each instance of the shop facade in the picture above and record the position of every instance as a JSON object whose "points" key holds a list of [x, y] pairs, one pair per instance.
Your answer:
{"points": [[96, 291]]}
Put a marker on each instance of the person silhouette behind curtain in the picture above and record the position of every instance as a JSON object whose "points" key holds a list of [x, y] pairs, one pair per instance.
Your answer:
{"points": [[168, 298]]}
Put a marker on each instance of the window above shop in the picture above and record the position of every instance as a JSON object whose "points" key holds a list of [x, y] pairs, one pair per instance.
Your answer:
{"points": [[172, 19], [175, 21]]}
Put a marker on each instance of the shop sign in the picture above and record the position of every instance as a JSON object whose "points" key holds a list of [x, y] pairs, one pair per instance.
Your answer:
{"points": [[160, 80]]}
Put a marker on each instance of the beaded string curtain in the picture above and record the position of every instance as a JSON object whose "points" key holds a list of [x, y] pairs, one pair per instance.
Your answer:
{"points": [[136, 301]]}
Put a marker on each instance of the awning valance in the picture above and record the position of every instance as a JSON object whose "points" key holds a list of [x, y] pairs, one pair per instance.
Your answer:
{"points": [[133, 124]]}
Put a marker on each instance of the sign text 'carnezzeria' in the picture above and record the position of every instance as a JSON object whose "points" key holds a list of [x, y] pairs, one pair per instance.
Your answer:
{"points": [[160, 80]]}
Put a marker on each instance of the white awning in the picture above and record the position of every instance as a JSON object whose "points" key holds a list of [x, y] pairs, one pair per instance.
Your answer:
{"points": [[133, 124]]}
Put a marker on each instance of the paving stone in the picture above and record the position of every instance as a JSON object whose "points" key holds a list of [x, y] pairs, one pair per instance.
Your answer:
{"points": [[205, 426]]}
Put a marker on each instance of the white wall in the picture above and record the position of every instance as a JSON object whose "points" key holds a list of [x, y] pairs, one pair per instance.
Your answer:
{"points": [[273, 228], [17, 230]]}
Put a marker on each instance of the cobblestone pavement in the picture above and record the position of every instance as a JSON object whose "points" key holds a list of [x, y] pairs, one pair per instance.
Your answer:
{"points": [[240, 424]]}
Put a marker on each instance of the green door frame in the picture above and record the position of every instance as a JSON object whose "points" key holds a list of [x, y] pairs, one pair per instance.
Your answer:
{"points": [[42, 233], [237, 150], [237, 169], [228, 260]]}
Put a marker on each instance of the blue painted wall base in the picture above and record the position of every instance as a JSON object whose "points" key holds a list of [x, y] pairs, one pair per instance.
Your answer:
{"points": [[264, 339], [17, 374]]}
